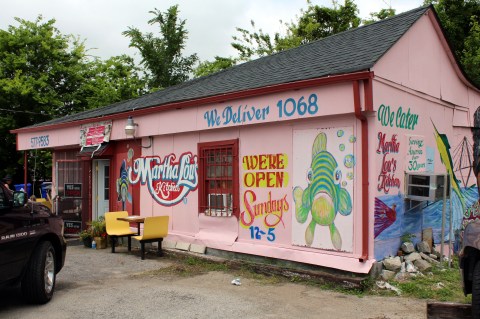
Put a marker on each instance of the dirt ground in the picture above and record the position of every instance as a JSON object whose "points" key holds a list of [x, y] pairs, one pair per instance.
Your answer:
{"points": [[98, 284]]}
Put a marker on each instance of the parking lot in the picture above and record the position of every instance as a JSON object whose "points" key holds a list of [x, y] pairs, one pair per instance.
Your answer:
{"points": [[99, 284]]}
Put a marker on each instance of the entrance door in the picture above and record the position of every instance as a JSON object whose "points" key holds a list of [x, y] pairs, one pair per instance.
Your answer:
{"points": [[101, 187]]}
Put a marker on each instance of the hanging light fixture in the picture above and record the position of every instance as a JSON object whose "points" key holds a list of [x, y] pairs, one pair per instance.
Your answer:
{"points": [[130, 127]]}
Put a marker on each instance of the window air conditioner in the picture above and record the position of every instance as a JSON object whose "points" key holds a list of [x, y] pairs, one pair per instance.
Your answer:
{"points": [[426, 186], [219, 205]]}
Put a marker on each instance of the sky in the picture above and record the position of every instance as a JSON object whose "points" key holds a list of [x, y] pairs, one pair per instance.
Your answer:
{"points": [[210, 23]]}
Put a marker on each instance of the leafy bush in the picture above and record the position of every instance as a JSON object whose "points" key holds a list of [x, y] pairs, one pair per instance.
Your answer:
{"points": [[99, 227]]}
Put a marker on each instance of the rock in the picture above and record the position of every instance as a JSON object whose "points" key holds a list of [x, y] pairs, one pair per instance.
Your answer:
{"points": [[427, 236], [424, 247], [433, 256], [386, 275], [422, 265], [413, 256], [392, 264], [407, 247], [376, 270], [386, 285], [410, 267], [430, 260], [402, 276], [438, 286], [436, 253]]}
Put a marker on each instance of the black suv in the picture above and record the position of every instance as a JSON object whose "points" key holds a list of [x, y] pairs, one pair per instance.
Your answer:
{"points": [[32, 246]]}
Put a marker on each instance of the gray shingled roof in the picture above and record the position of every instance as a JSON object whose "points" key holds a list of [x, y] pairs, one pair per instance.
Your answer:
{"points": [[350, 51]]}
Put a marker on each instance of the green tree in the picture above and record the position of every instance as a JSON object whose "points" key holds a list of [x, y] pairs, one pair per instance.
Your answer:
{"points": [[316, 22], [320, 22], [39, 77], [113, 80], [380, 15], [471, 52], [162, 56], [207, 67], [45, 74]]}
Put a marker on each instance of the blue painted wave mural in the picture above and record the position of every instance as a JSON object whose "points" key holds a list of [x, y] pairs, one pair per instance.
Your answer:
{"points": [[411, 219]]}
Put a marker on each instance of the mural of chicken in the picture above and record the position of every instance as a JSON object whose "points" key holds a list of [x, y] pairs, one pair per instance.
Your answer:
{"points": [[324, 196]]}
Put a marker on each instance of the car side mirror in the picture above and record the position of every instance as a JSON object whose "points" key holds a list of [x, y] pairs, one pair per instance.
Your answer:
{"points": [[19, 199]]}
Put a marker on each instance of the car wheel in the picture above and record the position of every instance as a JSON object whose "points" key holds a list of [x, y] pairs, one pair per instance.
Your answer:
{"points": [[38, 282]]}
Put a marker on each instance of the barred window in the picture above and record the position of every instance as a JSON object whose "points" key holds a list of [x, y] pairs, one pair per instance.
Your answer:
{"points": [[218, 178]]}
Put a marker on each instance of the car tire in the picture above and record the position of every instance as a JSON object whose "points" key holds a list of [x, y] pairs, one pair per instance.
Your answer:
{"points": [[38, 281]]}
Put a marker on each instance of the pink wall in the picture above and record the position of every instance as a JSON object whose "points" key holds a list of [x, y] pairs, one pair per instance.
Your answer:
{"points": [[48, 138], [419, 61], [284, 106], [416, 89], [266, 232]]}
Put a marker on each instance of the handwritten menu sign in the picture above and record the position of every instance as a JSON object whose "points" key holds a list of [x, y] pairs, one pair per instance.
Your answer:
{"points": [[415, 159]]}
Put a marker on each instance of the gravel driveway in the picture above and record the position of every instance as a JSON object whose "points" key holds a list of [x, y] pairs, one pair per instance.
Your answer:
{"points": [[98, 284]]}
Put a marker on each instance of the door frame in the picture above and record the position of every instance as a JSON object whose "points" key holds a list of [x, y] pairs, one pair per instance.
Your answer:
{"points": [[97, 175]]}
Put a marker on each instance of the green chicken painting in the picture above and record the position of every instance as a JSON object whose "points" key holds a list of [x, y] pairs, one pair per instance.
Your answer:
{"points": [[324, 196]]}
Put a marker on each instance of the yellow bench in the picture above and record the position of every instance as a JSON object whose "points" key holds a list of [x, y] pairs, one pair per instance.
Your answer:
{"points": [[154, 230], [44, 202], [117, 228]]}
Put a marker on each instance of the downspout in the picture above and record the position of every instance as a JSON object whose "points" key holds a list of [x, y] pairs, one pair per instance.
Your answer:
{"points": [[25, 171], [365, 161]]}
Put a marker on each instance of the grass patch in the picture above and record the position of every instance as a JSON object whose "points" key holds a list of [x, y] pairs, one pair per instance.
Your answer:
{"points": [[443, 283], [189, 266]]}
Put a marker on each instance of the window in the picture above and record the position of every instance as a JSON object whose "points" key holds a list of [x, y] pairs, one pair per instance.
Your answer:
{"points": [[218, 178]]}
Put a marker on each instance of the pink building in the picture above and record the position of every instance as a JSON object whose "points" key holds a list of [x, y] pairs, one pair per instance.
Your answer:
{"points": [[307, 155]]}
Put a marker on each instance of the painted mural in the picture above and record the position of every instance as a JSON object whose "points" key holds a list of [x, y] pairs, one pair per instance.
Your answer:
{"points": [[264, 201], [396, 217], [385, 216], [444, 149], [169, 181], [472, 213], [123, 193], [323, 200]]}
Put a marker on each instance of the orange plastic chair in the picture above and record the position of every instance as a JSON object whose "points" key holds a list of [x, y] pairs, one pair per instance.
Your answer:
{"points": [[118, 228], [154, 230]]}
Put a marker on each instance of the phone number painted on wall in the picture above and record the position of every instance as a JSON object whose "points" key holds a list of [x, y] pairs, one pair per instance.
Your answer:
{"points": [[39, 141]]}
